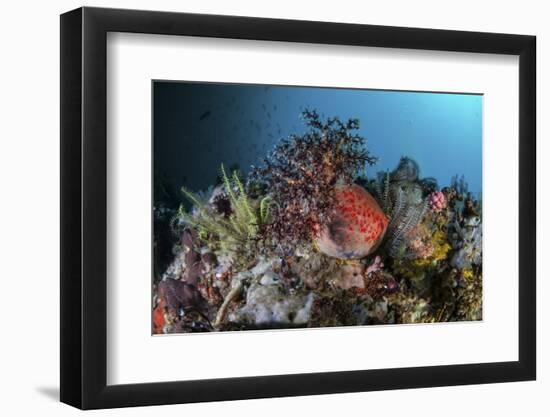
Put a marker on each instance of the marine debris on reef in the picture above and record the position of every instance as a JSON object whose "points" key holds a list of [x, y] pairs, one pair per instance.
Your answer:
{"points": [[307, 239]]}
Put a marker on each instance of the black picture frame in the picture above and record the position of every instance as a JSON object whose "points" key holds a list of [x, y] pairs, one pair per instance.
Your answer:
{"points": [[84, 207]]}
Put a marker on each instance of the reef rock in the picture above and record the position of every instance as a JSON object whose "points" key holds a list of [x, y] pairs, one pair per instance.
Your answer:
{"points": [[407, 170], [178, 295], [468, 243], [358, 225], [268, 306], [349, 276]]}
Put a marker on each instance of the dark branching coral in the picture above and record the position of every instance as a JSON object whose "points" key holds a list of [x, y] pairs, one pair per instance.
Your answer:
{"points": [[459, 185], [302, 171]]}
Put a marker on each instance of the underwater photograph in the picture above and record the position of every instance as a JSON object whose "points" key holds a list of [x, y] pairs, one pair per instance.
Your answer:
{"points": [[282, 207]]}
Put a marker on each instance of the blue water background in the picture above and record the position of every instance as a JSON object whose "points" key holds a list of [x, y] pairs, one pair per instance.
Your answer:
{"points": [[198, 126]]}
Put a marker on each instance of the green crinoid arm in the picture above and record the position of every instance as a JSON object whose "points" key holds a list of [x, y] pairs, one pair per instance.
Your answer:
{"points": [[265, 204], [228, 187], [243, 198], [192, 197]]}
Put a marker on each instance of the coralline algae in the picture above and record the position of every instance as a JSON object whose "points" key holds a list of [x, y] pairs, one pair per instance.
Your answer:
{"points": [[357, 227]]}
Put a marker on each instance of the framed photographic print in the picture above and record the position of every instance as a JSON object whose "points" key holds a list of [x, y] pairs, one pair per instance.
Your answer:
{"points": [[257, 208]]}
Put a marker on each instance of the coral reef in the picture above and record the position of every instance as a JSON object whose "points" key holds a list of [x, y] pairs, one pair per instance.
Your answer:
{"points": [[307, 239]]}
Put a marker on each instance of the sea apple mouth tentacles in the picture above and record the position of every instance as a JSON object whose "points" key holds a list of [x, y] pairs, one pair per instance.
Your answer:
{"points": [[357, 227]]}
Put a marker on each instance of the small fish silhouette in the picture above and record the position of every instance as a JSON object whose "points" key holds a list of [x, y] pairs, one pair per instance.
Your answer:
{"points": [[205, 115]]}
